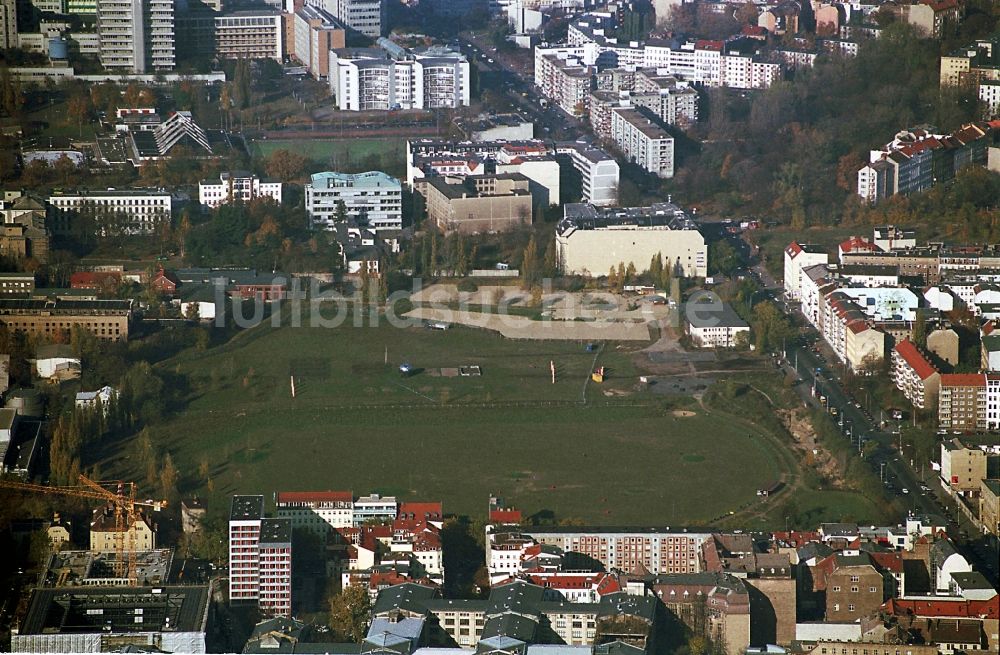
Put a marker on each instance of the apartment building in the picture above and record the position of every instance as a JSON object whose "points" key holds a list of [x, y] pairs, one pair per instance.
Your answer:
{"points": [[962, 402], [390, 77], [260, 557], [972, 64], [8, 24], [114, 211], [798, 257], [565, 75], [317, 32], [14, 285], [853, 586], [319, 512], [718, 603], [245, 516], [275, 567], [914, 375], [962, 468], [599, 172], [642, 141], [136, 36], [658, 550], [934, 18], [250, 34], [989, 506], [533, 158], [374, 507], [108, 320], [105, 534], [591, 240], [371, 199], [915, 160], [479, 203], [716, 326], [242, 186], [989, 95]]}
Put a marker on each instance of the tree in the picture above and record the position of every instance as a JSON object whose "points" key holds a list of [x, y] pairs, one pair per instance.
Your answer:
{"points": [[286, 165], [64, 168], [550, 263], [529, 264], [919, 333], [169, 478], [349, 611], [78, 109]]}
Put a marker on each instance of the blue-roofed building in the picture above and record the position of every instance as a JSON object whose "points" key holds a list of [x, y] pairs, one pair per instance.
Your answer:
{"points": [[371, 199]]}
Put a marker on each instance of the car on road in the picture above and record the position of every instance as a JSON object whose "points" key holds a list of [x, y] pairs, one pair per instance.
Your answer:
{"points": [[905, 490]]}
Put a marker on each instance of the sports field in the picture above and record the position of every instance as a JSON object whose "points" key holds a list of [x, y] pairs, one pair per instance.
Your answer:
{"points": [[624, 456], [324, 149]]}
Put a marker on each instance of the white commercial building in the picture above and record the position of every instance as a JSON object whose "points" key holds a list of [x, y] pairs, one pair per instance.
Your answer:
{"points": [[111, 212], [319, 512], [237, 185], [590, 241], [642, 141], [715, 325], [365, 79], [250, 34], [599, 172], [371, 199], [136, 35]]}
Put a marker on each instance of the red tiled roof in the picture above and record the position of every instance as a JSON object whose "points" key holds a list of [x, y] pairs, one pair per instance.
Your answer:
{"points": [[858, 243], [793, 249], [915, 359], [963, 380], [92, 279], [314, 496], [888, 561], [505, 515], [961, 608], [705, 44], [796, 538], [753, 30], [857, 326], [420, 511]]}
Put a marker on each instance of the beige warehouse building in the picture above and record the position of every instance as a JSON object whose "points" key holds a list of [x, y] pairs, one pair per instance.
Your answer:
{"points": [[479, 203], [589, 241]]}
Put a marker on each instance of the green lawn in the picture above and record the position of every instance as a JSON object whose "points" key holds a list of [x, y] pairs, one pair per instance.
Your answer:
{"points": [[353, 150], [356, 424]]}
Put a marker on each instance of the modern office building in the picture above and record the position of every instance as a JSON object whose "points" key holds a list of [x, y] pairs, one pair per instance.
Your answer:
{"points": [[598, 171], [136, 35], [389, 77], [366, 17], [250, 34], [317, 32], [371, 199]]}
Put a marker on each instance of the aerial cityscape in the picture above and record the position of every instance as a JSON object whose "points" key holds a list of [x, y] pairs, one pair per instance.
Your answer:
{"points": [[500, 327]]}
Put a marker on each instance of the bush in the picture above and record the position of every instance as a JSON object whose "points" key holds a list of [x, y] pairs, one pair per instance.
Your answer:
{"points": [[467, 285]]}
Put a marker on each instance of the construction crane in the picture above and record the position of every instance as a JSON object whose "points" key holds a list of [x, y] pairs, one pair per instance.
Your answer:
{"points": [[123, 502]]}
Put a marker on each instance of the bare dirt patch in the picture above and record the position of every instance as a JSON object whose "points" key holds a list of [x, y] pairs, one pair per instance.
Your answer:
{"points": [[683, 413], [798, 424]]}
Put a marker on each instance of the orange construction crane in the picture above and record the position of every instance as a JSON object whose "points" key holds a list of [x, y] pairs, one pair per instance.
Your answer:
{"points": [[122, 499]]}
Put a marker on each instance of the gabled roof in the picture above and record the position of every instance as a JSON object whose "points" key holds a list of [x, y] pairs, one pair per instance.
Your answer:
{"points": [[915, 359], [963, 380], [314, 496]]}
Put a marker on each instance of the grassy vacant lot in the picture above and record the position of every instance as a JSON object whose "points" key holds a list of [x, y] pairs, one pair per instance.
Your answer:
{"points": [[354, 150], [624, 457], [356, 423]]}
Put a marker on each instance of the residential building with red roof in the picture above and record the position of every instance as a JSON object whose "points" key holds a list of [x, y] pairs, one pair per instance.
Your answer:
{"points": [[99, 280], [914, 375], [799, 256], [575, 587], [855, 244]]}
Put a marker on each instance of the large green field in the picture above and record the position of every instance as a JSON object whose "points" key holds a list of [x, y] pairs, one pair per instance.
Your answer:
{"points": [[354, 150], [624, 456]]}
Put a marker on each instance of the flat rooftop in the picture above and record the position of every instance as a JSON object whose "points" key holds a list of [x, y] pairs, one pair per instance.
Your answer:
{"points": [[83, 568], [642, 123], [117, 610], [276, 531], [247, 508], [583, 216]]}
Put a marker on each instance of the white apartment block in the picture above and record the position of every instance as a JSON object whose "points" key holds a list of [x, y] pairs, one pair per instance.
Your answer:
{"points": [[374, 508], [914, 375], [566, 76], [250, 34], [989, 95], [371, 199], [131, 212], [365, 79], [642, 141], [319, 512], [598, 170], [136, 35], [366, 17], [589, 240], [797, 258], [240, 186]]}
